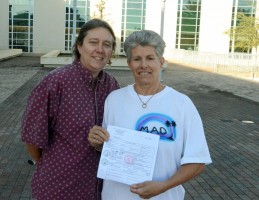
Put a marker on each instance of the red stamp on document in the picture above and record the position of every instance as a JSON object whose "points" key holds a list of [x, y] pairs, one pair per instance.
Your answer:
{"points": [[129, 159]]}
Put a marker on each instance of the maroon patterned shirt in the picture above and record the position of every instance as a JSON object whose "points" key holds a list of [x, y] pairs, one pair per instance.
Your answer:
{"points": [[60, 112]]}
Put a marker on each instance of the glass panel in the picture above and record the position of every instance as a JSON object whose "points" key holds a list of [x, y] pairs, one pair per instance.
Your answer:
{"points": [[188, 35], [243, 3], [135, 1], [189, 8], [245, 10], [133, 17], [187, 47], [189, 14], [188, 21], [133, 26], [190, 1], [82, 16], [185, 41], [81, 11], [81, 3], [248, 7], [134, 12], [21, 24], [188, 28], [134, 5]]}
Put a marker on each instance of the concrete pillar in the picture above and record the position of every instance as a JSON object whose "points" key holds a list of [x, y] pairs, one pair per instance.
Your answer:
{"points": [[4, 24], [49, 26], [216, 18]]}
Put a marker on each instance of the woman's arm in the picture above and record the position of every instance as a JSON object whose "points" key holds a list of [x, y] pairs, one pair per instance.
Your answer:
{"points": [[185, 173], [34, 152]]}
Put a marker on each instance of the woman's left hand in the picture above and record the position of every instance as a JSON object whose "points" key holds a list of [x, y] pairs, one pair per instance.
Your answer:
{"points": [[97, 136], [147, 189], [185, 173]]}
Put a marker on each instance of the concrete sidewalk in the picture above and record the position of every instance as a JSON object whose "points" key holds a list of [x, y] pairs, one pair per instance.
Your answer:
{"points": [[229, 108]]}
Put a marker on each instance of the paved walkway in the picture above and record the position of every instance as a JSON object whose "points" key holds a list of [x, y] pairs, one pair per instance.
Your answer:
{"points": [[225, 104]]}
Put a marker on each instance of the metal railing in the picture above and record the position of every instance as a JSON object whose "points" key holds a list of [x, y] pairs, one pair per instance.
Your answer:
{"points": [[247, 64]]}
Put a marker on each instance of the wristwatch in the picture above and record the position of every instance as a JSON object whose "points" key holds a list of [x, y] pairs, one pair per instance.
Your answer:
{"points": [[31, 162]]}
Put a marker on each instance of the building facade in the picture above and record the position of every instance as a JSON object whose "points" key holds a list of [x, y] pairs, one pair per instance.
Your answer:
{"points": [[38, 26]]}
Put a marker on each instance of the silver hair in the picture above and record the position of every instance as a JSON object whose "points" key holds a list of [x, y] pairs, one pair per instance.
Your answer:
{"points": [[144, 38]]}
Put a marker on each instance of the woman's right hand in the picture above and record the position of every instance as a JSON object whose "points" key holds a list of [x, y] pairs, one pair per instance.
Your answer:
{"points": [[97, 136]]}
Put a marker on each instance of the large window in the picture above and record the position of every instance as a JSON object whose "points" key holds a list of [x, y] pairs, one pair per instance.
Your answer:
{"points": [[247, 7], [82, 15], [133, 18], [21, 24], [188, 24]]}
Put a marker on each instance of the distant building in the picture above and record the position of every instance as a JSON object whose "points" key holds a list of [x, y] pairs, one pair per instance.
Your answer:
{"points": [[39, 26]]}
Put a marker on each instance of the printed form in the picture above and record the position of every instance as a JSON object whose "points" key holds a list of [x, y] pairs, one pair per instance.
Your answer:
{"points": [[128, 156]]}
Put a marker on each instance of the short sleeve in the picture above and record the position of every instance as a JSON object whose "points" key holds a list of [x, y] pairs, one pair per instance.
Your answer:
{"points": [[195, 145], [38, 115]]}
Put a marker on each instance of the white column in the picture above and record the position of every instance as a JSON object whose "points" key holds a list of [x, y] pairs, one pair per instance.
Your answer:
{"points": [[74, 21], [48, 26], [4, 30], [162, 17], [216, 18]]}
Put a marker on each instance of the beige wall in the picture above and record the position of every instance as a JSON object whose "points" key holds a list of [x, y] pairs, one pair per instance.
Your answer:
{"points": [[215, 20], [4, 25], [49, 25]]}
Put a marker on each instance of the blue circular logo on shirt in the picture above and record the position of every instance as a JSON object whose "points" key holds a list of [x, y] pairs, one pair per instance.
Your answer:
{"points": [[159, 124]]}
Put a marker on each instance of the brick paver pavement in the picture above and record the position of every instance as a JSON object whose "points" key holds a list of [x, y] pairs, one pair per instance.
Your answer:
{"points": [[223, 102]]}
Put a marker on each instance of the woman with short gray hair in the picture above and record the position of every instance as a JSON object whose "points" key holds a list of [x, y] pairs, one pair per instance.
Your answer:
{"points": [[150, 107], [144, 38]]}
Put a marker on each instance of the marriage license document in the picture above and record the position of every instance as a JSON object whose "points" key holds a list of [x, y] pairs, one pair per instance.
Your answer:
{"points": [[128, 156]]}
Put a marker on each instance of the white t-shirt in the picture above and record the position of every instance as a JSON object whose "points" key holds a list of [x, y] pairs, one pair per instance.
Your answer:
{"points": [[174, 117]]}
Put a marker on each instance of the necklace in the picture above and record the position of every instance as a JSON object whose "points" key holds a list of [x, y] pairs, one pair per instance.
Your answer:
{"points": [[144, 104]]}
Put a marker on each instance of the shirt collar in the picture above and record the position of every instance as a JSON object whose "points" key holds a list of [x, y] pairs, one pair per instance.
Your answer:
{"points": [[86, 74]]}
